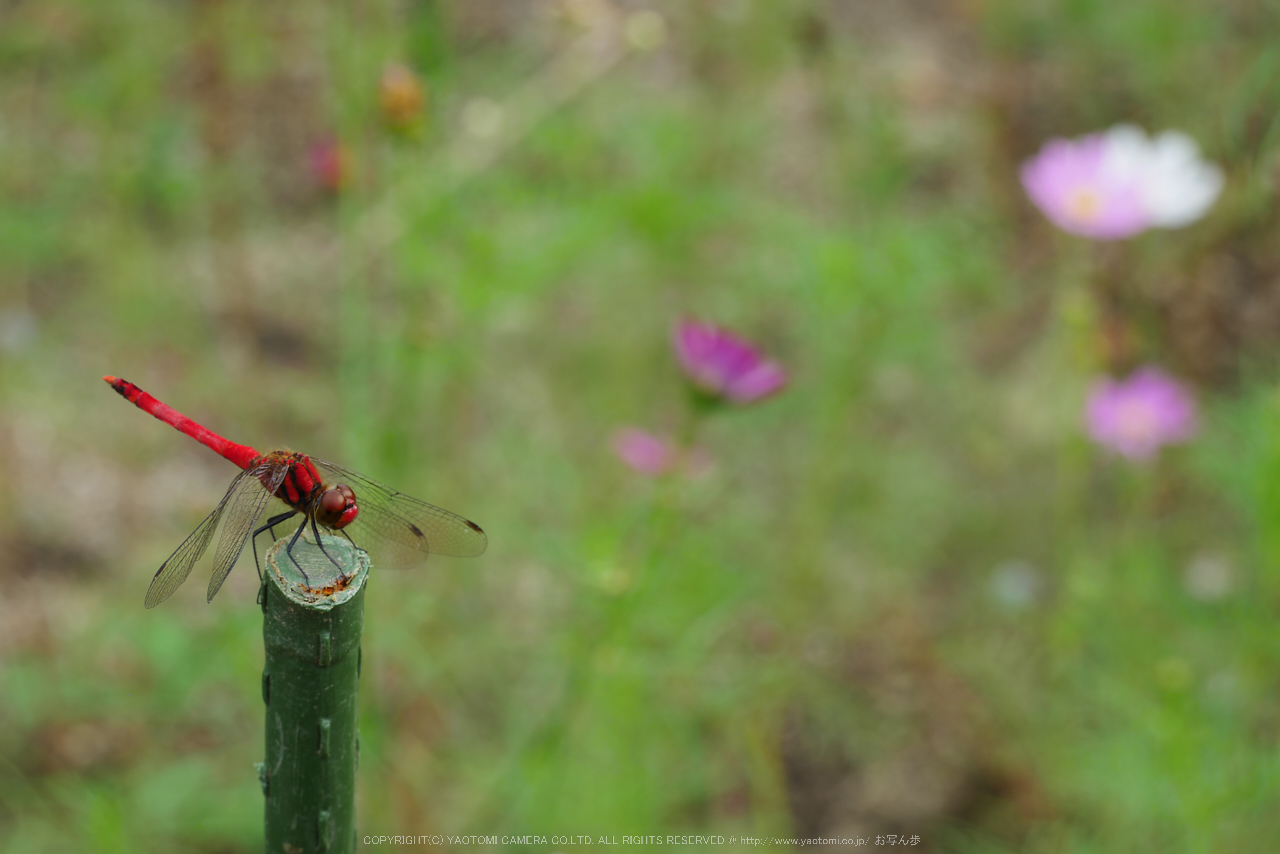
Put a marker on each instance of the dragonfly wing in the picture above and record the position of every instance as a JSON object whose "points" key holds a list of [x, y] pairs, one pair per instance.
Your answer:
{"points": [[175, 570], [259, 487], [401, 529]]}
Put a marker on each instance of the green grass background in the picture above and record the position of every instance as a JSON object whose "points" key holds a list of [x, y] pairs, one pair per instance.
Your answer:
{"points": [[808, 639]]}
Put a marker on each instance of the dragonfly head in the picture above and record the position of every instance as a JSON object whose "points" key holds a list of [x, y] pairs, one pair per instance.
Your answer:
{"points": [[336, 508]]}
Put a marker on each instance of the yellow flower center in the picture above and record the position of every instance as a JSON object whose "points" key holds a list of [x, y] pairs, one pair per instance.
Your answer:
{"points": [[1084, 203]]}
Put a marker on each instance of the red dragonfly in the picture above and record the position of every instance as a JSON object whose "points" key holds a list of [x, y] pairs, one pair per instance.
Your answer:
{"points": [[399, 530]]}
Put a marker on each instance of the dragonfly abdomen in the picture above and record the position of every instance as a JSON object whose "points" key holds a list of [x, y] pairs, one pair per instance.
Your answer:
{"points": [[241, 455]]}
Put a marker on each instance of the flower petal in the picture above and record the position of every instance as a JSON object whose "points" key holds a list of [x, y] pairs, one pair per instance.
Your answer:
{"points": [[642, 452], [760, 381], [721, 363]]}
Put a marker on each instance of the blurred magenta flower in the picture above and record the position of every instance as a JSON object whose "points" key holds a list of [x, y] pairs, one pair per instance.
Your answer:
{"points": [[1136, 416], [643, 452], [649, 455], [724, 365], [1113, 185], [331, 164]]}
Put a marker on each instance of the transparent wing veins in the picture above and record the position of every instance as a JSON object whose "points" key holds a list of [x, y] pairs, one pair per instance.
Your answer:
{"points": [[246, 507], [245, 498], [174, 571], [406, 528]]}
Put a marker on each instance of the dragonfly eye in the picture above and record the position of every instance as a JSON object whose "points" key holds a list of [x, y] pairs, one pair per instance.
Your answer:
{"points": [[337, 506]]}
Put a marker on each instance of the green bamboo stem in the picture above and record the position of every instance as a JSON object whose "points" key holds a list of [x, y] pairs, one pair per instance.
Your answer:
{"points": [[310, 686]]}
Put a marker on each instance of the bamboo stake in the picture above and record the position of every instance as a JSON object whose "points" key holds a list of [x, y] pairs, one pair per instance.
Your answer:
{"points": [[310, 686]]}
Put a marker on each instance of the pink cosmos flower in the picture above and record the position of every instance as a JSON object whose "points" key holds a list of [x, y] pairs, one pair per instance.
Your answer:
{"points": [[1074, 185], [643, 452], [1136, 416], [1113, 185], [649, 455], [722, 364]]}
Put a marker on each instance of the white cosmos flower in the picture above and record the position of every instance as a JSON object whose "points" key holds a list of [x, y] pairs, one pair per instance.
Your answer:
{"points": [[1177, 187]]}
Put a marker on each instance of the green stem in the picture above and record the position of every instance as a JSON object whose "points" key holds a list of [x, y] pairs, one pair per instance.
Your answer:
{"points": [[310, 686]]}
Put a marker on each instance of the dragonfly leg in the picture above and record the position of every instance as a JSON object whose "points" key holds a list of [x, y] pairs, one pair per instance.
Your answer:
{"points": [[320, 543], [269, 526], [348, 536], [289, 551]]}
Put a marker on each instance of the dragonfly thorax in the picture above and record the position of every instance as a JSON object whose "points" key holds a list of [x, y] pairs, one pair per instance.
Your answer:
{"points": [[335, 507]]}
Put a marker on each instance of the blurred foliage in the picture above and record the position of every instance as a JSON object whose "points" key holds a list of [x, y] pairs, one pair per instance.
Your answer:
{"points": [[909, 597]]}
